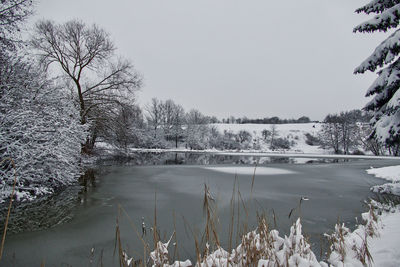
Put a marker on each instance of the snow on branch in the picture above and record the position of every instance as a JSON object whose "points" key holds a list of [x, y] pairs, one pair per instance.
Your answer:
{"points": [[377, 6], [388, 77], [385, 53], [382, 22], [39, 130]]}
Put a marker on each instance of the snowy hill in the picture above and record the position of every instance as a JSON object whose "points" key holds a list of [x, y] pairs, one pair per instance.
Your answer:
{"points": [[295, 133]]}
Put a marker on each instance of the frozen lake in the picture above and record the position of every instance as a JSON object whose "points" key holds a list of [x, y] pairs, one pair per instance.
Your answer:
{"points": [[88, 218]]}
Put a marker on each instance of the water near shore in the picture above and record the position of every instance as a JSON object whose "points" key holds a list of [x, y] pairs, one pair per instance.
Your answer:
{"points": [[62, 230]]}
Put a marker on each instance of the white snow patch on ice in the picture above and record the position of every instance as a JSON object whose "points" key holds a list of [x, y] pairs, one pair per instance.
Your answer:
{"points": [[391, 173], [250, 170]]}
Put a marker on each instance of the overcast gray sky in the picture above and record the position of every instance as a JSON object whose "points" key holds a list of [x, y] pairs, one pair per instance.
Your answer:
{"points": [[254, 58]]}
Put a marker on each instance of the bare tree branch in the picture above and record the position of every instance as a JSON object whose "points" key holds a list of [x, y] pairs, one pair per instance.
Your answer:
{"points": [[85, 54]]}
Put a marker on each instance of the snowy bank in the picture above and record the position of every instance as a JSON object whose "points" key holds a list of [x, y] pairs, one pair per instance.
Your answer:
{"points": [[374, 243], [260, 247], [391, 174], [385, 249]]}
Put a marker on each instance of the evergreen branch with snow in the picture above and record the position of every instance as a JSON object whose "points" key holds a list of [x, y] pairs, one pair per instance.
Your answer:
{"points": [[385, 53], [377, 6], [384, 21], [386, 96]]}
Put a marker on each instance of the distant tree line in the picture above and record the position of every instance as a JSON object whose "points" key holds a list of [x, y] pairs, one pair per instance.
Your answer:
{"points": [[166, 124], [272, 120]]}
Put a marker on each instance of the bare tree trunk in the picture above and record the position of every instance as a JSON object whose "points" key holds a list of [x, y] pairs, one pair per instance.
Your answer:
{"points": [[88, 146]]}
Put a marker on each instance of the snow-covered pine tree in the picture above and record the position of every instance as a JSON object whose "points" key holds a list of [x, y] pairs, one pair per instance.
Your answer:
{"points": [[386, 61]]}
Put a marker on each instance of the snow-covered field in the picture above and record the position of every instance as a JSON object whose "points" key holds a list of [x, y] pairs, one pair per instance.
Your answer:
{"points": [[293, 132]]}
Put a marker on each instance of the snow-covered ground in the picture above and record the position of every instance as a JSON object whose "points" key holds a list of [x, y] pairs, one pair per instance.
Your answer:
{"points": [[293, 132], [374, 243], [381, 234], [391, 174], [385, 249]]}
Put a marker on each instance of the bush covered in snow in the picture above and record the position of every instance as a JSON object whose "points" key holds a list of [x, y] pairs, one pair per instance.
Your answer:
{"points": [[312, 140], [281, 143], [39, 131]]}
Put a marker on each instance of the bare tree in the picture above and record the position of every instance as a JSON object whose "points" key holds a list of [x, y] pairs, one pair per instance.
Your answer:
{"points": [[127, 125], [85, 55], [243, 136], [365, 136], [168, 109], [330, 133], [195, 117], [196, 129], [154, 111], [274, 133], [339, 131], [178, 120], [349, 130], [265, 134]]}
